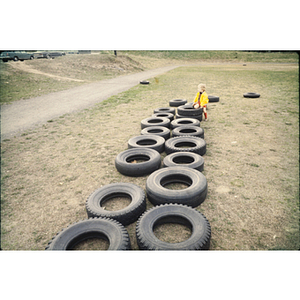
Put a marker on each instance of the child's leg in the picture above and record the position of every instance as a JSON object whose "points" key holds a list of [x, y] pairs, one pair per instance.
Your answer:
{"points": [[205, 112]]}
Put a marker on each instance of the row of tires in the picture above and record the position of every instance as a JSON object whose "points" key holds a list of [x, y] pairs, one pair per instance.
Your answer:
{"points": [[118, 238], [179, 102], [183, 164]]}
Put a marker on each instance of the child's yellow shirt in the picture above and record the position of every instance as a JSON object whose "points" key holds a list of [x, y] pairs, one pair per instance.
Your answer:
{"points": [[203, 99]]}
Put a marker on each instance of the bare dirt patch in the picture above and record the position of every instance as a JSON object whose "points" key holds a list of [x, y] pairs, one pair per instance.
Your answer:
{"points": [[87, 67], [32, 78], [26, 68], [251, 163]]}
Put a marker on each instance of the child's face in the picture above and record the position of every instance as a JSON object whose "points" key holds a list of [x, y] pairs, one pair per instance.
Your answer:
{"points": [[201, 91]]}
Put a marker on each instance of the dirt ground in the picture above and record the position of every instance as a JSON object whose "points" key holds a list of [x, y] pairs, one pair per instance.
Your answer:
{"points": [[27, 68], [22, 115], [251, 163]]}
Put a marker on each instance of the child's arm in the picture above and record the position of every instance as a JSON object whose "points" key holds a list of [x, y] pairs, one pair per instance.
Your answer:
{"points": [[204, 99], [196, 98]]}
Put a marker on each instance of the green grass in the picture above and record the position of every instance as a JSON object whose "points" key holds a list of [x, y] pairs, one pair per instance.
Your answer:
{"points": [[16, 84], [245, 56]]}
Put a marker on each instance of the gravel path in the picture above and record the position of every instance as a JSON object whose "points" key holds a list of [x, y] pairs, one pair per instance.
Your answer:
{"points": [[25, 114]]}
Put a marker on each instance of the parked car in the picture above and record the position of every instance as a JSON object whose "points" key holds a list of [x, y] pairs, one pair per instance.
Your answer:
{"points": [[42, 55], [48, 54], [55, 54], [16, 55]]}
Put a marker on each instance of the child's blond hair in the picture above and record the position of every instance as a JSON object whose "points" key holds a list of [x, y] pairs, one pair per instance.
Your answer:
{"points": [[201, 86]]}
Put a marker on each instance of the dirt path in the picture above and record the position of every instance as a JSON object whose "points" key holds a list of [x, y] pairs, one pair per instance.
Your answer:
{"points": [[25, 114], [26, 68]]}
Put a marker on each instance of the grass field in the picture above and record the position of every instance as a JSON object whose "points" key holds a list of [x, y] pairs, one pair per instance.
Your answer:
{"points": [[251, 164], [23, 80]]}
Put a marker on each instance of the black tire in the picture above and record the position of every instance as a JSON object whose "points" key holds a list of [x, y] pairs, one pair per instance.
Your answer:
{"points": [[126, 215], [251, 95], [193, 195], [148, 141], [213, 99], [111, 230], [16, 58], [173, 213], [190, 104], [188, 130], [185, 159], [155, 121], [144, 82], [184, 121], [164, 115], [199, 117], [185, 144], [157, 130], [124, 165], [31, 57], [188, 110], [164, 110], [177, 102]]}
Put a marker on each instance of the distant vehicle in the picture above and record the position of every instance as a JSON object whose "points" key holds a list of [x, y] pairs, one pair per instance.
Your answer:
{"points": [[55, 54], [48, 54], [15, 55], [84, 52], [42, 55]]}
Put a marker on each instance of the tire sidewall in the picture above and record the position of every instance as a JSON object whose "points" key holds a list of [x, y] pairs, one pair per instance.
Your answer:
{"points": [[164, 131], [159, 145], [137, 169], [198, 131], [177, 102], [197, 164], [125, 216], [200, 145], [164, 115], [188, 110], [199, 239], [213, 99], [170, 110], [162, 122], [251, 95], [192, 196], [113, 231], [184, 121]]}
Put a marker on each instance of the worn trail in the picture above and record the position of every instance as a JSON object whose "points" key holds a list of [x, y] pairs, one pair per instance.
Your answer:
{"points": [[25, 114]]}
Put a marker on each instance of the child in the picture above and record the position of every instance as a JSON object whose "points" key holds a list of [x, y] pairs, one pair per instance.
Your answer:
{"points": [[201, 99]]}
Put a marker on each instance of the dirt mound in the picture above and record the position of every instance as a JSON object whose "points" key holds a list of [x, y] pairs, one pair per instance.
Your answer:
{"points": [[25, 68], [121, 62], [75, 67]]}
